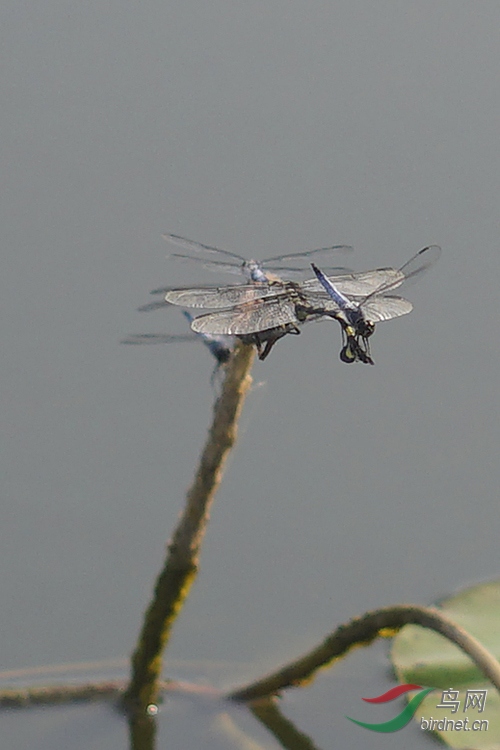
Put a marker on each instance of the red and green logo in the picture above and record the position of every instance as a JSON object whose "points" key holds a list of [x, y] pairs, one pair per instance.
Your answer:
{"points": [[406, 715]]}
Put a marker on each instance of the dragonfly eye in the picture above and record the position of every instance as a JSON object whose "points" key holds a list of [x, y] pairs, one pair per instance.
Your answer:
{"points": [[366, 329]]}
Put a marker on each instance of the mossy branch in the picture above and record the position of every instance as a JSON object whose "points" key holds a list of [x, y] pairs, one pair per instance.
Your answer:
{"points": [[181, 564], [361, 631]]}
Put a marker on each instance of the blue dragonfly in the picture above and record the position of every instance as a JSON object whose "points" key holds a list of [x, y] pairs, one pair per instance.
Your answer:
{"points": [[357, 317], [261, 272], [256, 271], [357, 300], [219, 345]]}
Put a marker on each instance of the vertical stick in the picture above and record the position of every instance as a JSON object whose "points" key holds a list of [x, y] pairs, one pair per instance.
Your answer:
{"points": [[181, 565]]}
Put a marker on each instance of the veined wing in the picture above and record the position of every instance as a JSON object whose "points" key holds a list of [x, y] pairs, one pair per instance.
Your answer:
{"points": [[326, 251], [363, 287], [153, 306], [386, 307], [281, 263], [410, 272], [244, 268], [251, 317], [226, 296], [213, 265], [183, 242], [238, 263], [353, 284], [220, 347], [357, 284]]}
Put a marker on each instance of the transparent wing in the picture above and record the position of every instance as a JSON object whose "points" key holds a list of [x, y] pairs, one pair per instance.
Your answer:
{"points": [[319, 253], [199, 247], [240, 268], [226, 296], [220, 347], [410, 272], [356, 284], [153, 306], [377, 305], [286, 273], [276, 264], [281, 264], [163, 289], [212, 265], [158, 338], [378, 308], [249, 318]]}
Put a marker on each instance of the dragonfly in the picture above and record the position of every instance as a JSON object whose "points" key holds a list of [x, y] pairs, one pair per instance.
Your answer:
{"points": [[219, 345], [257, 271], [357, 317], [356, 300]]}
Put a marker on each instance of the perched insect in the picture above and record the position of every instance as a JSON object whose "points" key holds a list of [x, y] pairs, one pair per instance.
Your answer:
{"points": [[358, 317], [357, 300], [254, 271], [258, 271]]}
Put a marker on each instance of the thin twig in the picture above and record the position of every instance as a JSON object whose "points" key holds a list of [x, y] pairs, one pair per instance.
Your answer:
{"points": [[55, 694], [362, 631], [284, 730], [88, 692], [181, 564]]}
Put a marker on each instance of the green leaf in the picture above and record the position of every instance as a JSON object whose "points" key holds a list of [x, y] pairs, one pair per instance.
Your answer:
{"points": [[427, 658]]}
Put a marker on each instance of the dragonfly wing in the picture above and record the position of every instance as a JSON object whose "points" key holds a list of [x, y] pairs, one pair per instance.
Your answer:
{"points": [[319, 253], [411, 270], [252, 317], [212, 265], [358, 284], [421, 262], [298, 273], [376, 308], [320, 301], [153, 306], [183, 242], [224, 296]]}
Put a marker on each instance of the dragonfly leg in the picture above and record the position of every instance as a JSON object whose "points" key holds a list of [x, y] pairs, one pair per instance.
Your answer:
{"points": [[267, 349], [265, 340], [254, 339], [271, 337]]}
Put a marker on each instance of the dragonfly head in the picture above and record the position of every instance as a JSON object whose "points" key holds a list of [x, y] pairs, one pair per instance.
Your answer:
{"points": [[364, 328], [254, 273]]}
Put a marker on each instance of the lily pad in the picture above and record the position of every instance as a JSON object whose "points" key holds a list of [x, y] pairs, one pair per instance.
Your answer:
{"points": [[421, 656]]}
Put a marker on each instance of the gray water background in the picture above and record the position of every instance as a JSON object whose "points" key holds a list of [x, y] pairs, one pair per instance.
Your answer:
{"points": [[262, 128]]}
